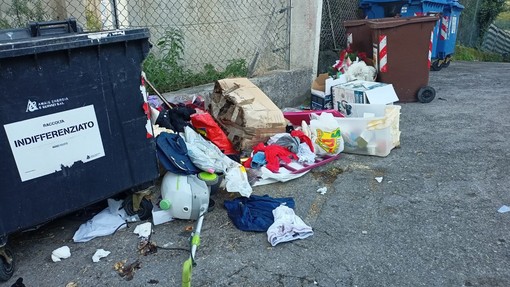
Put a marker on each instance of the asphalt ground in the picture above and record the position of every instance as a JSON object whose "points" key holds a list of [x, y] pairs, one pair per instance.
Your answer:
{"points": [[432, 221]]}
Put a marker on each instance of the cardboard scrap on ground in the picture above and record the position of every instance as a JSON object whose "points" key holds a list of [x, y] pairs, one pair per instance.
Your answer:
{"points": [[245, 112]]}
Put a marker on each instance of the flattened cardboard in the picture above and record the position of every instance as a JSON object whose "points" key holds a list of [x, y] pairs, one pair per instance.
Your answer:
{"points": [[245, 112]]}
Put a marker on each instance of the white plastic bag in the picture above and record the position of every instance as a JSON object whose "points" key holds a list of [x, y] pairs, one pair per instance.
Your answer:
{"points": [[204, 154], [326, 135]]}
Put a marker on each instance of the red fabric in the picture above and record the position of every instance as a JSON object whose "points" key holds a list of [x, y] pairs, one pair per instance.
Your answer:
{"points": [[274, 153], [303, 138]]}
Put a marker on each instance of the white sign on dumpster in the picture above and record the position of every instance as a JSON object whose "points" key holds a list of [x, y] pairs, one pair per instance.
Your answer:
{"points": [[45, 144]]}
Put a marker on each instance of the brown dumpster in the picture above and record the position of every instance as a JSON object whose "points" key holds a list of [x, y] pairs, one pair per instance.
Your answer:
{"points": [[402, 50], [359, 38]]}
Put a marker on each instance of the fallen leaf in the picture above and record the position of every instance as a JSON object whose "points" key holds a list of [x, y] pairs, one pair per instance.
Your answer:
{"points": [[119, 265], [146, 247], [189, 228], [128, 271]]}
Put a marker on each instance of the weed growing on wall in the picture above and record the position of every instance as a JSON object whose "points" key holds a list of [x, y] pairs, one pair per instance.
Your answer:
{"points": [[164, 66]]}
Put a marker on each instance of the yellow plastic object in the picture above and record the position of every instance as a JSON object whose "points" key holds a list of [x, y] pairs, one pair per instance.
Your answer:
{"points": [[187, 269]]}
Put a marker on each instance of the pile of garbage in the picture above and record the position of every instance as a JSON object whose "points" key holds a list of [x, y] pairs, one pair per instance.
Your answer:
{"points": [[234, 140]]}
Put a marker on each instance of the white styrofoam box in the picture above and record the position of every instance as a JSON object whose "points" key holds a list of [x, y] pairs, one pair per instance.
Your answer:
{"points": [[362, 92], [371, 129]]}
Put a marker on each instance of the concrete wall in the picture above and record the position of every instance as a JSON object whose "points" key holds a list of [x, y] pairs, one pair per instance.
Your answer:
{"points": [[305, 34], [284, 88]]}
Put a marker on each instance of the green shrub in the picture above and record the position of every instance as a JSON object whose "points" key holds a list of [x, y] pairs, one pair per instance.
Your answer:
{"points": [[166, 72], [463, 53], [20, 12]]}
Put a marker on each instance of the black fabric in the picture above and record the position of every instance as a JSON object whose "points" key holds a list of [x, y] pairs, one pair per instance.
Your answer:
{"points": [[175, 119]]}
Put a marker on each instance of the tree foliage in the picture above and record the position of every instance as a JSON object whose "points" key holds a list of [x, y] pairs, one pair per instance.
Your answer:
{"points": [[488, 12]]}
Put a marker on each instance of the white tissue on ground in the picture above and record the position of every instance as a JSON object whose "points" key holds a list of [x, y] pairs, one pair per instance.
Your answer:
{"points": [[322, 190]]}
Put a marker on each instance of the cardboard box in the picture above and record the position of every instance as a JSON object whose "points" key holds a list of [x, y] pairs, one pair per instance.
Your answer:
{"points": [[363, 92], [321, 97], [245, 113], [321, 103], [322, 85]]}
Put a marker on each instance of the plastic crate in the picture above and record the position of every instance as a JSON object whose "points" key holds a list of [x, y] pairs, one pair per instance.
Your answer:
{"points": [[371, 129]]}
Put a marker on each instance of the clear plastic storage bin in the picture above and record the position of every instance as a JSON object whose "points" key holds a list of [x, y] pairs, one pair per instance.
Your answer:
{"points": [[371, 129]]}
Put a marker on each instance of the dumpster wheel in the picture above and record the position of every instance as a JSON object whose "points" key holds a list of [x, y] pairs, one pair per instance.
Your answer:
{"points": [[437, 65], [446, 62], [426, 94], [7, 264], [145, 210]]}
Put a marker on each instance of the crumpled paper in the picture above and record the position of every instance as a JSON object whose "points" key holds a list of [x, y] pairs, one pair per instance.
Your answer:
{"points": [[100, 253], [60, 253], [143, 230]]}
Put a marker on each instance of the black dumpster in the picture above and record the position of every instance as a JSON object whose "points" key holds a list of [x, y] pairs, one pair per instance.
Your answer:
{"points": [[74, 128]]}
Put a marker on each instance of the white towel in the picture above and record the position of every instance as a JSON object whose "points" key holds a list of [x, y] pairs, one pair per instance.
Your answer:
{"points": [[287, 226]]}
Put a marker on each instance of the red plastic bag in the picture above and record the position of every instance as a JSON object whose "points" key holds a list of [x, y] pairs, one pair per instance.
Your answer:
{"points": [[207, 126]]}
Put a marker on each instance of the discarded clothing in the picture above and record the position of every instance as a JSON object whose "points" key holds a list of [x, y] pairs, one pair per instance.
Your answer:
{"points": [[287, 226], [173, 154], [285, 140], [254, 213], [303, 138], [305, 155], [258, 160], [274, 153], [290, 142], [175, 119], [265, 176]]}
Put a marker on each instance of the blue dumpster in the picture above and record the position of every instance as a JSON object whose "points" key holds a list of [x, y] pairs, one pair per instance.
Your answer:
{"points": [[445, 31]]}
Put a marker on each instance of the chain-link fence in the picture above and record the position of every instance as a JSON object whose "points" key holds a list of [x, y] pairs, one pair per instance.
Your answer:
{"points": [[334, 13], [194, 41], [468, 25]]}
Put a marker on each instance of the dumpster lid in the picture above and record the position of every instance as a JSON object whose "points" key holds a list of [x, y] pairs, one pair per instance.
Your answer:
{"points": [[354, 23], [36, 45], [395, 22]]}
